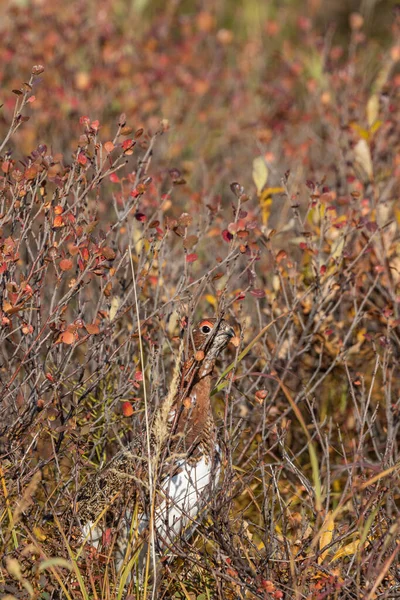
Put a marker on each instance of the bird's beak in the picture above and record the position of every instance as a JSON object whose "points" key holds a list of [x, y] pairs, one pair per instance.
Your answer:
{"points": [[230, 332]]}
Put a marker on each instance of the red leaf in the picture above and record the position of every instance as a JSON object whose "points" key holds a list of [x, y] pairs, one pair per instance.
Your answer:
{"points": [[126, 144], [82, 159], [107, 537], [114, 178], [258, 293], [191, 257], [227, 236], [372, 226]]}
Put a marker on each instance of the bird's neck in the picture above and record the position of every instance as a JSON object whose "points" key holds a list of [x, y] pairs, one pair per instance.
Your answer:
{"points": [[206, 368], [195, 414]]}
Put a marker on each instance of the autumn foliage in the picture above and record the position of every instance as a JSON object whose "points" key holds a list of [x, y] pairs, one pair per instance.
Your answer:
{"points": [[161, 163]]}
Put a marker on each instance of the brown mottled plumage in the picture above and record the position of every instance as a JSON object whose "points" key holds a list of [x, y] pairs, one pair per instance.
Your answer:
{"points": [[188, 461]]}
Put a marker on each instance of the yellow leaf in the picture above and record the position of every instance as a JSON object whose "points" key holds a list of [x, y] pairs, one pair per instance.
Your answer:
{"points": [[260, 173], [337, 249], [266, 201], [347, 550], [397, 215], [211, 299], [270, 191], [361, 335], [375, 127], [363, 133], [39, 534], [372, 109], [328, 528], [266, 210]]}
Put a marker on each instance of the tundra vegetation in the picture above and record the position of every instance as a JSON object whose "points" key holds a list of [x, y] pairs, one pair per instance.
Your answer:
{"points": [[161, 162]]}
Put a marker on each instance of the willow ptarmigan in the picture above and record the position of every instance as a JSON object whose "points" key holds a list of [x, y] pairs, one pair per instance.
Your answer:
{"points": [[186, 459]]}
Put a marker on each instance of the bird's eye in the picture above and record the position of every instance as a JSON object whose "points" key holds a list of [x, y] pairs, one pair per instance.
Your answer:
{"points": [[206, 329]]}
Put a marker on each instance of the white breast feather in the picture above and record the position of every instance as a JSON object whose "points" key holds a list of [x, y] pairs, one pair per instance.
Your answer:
{"points": [[185, 495]]}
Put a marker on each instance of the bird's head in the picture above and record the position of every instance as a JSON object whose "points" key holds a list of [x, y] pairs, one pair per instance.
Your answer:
{"points": [[211, 336]]}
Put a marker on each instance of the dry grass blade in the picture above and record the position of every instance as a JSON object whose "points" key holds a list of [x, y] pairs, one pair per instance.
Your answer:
{"points": [[152, 489]]}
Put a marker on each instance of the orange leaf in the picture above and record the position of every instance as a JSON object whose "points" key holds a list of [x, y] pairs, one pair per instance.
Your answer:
{"points": [[92, 328], [235, 341], [31, 172], [199, 355], [127, 409], [58, 221], [66, 264], [282, 254], [67, 337], [7, 306], [260, 395], [109, 147], [108, 253]]}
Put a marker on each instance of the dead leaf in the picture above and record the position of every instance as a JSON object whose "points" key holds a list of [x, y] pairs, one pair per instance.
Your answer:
{"points": [[328, 528], [348, 550], [115, 302], [363, 158]]}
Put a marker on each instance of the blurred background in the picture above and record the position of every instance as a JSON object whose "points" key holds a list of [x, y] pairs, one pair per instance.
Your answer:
{"points": [[234, 79]]}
